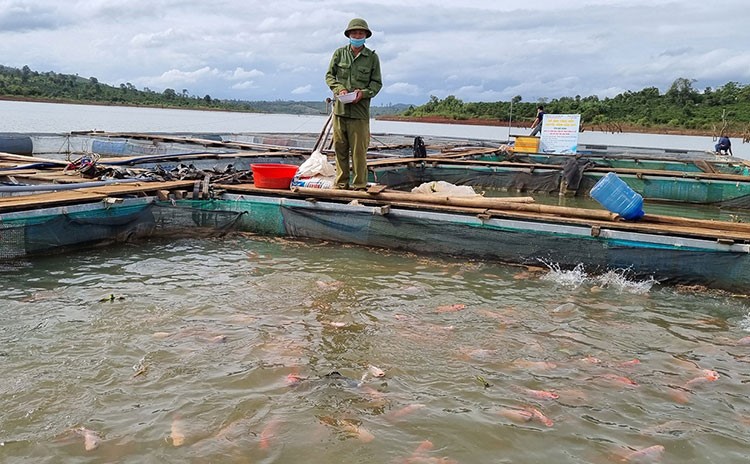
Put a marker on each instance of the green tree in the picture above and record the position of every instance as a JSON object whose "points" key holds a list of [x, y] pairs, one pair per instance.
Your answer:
{"points": [[25, 73], [682, 92]]}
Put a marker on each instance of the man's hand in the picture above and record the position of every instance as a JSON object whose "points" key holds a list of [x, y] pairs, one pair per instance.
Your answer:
{"points": [[359, 96]]}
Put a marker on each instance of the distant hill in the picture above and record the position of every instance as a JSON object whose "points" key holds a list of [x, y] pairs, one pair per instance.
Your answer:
{"points": [[385, 110], [26, 84], [724, 110]]}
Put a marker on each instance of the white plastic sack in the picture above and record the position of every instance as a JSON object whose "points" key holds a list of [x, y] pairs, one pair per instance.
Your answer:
{"points": [[446, 188], [316, 164], [320, 182]]}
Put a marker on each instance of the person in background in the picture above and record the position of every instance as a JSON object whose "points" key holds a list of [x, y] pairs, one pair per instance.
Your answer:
{"points": [[724, 147], [536, 126], [353, 68]]}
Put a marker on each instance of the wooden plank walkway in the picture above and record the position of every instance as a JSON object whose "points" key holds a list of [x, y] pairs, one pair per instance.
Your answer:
{"points": [[87, 194]]}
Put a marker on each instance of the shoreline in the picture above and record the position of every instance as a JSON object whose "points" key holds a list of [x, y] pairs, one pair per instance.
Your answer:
{"points": [[605, 128]]}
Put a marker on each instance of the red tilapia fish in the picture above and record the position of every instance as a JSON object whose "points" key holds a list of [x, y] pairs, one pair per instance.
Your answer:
{"points": [[632, 362], [269, 433], [536, 394], [91, 439], [420, 455], [541, 394], [651, 454], [405, 411], [527, 414], [177, 431], [620, 379], [539, 417], [351, 427], [450, 308], [707, 375], [293, 379], [526, 364], [375, 371]]}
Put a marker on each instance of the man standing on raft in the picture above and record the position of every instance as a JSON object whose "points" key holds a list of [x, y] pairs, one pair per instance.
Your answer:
{"points": [[355, 69]]}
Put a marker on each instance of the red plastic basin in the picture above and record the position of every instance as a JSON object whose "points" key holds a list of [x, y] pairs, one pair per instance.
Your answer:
{"points": [[273, 176]]}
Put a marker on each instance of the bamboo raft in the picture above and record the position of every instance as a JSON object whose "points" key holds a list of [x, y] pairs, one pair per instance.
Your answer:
{"points": [[513, 207], [486, 206], [519, 207], [506, 229]]}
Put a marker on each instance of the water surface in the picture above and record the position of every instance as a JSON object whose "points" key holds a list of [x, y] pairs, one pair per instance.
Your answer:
{"points": [[217, 350], [63, 118], [220, 350]]}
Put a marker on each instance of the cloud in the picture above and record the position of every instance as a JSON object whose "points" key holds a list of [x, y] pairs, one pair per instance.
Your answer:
{"points": [[681, 51], [184, 77], [20, 16], [245, 85], [476, 50], [157, 39], [403, 88], [239, 73], [305, 89]]}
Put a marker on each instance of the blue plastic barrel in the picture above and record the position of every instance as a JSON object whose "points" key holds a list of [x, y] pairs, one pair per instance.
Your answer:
{"points": [[615, 195], [16, 144]]}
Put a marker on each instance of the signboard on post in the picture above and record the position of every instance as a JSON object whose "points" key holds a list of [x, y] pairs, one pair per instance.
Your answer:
{"points": [[559, 133]]}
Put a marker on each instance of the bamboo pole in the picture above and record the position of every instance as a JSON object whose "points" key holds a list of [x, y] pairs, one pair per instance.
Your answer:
{"points": [[472, 202], [562, 211], [687, 230], [521, 204], [25, 159], [702, 223], [324, 132], [497, 203]]}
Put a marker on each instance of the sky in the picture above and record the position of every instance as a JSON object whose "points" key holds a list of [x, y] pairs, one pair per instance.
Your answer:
{"points": [[474, 50]]}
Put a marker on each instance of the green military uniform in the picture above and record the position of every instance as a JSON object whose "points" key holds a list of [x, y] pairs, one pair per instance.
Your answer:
{"points": [[351, 122]]}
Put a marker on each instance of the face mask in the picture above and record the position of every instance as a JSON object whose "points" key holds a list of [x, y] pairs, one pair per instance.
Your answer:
{"points": [[356, 43]]}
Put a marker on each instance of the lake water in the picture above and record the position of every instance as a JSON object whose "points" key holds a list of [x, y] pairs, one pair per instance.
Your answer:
{"points": [[221, 350], [56, 118]]}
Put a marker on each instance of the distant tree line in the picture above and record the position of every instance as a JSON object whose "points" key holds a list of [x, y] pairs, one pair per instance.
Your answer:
{"points": [[25, 84], [725, 109]]}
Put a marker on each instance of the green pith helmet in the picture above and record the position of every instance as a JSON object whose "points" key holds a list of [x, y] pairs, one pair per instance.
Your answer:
{"points": [[358, 23]]}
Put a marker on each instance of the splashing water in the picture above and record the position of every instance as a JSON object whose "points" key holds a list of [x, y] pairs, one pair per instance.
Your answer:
{"points": [[573, 278], [616, 279], [744, 324], [619, 280]]}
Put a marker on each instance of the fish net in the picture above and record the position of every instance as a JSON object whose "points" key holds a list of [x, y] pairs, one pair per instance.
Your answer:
{"points": [[191, 218], [486, 177], [55, 230]]}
